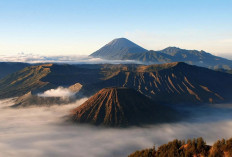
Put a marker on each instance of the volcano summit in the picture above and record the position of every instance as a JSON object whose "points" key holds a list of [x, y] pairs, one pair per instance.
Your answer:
{"points": [[121, 107]]}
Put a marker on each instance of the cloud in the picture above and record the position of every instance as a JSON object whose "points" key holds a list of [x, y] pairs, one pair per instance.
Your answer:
{"points": [[58, 92], [71, 59], [41, 131]]}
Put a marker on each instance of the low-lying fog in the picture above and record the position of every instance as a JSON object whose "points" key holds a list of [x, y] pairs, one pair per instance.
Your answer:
{"points": [[69, 59], [41, 131]]}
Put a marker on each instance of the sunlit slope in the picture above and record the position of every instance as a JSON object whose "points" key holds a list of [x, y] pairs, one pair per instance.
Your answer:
{"points": [[171, 83], [175, 82], [24, 81], [46, 76], [122, 107]]}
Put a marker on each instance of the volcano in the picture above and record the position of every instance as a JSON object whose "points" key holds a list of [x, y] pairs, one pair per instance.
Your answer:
{"points": [[122, 107], [124, 49], [118, 48]]}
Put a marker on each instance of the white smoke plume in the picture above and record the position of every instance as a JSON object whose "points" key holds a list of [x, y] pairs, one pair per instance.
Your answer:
{"points": [[58, 92]]}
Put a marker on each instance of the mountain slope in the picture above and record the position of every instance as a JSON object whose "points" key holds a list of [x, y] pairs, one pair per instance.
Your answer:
{"points": [[30, 99], [121, 107], [123, 49], [174, 54], [179, 82], [21, 82], [200, 58], [7, 68], [46, 76], [149, 57], [117, 48]]}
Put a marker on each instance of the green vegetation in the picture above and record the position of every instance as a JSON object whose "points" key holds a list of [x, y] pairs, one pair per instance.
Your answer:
{"points": [[191, 148]]}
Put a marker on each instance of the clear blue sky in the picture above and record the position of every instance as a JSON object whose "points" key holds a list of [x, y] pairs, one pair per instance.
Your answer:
{"points": [[82, 26]]}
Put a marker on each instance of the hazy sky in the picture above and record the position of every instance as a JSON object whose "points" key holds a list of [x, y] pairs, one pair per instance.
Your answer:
{"points": [[63, 27]]}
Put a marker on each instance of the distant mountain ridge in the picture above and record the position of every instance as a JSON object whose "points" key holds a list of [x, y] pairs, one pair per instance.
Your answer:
{"points": [[177, 81], [7, 68], [39, 78], [123, 49]]}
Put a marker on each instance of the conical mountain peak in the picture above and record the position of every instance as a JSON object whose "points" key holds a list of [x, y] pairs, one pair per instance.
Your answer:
{"points": [[118, 48], [122, 42], [121, 107]]}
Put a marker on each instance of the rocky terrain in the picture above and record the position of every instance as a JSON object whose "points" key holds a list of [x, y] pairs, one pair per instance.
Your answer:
{"points": [[122, 107], [180, 82]]}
